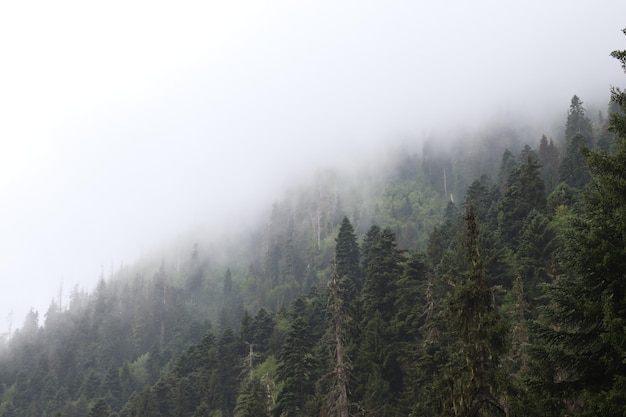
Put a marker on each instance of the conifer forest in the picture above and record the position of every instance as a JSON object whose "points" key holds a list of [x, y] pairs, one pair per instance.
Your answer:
{"points": [[488, 279]]}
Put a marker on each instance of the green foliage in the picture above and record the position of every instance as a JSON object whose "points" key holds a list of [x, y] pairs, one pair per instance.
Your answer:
{"points": [[427, 316], [525, 192], [252, 401], [581, 333], [347, 261], [578, 134], [296, 370], [549, 160]]}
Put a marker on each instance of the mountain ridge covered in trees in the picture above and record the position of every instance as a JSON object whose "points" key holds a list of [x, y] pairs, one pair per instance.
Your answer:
{"points": [[391, 298]]}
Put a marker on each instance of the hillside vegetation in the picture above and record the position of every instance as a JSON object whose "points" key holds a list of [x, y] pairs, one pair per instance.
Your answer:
{"points": [[484, 281]]}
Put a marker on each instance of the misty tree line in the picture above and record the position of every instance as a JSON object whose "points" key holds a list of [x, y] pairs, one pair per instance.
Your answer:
{"points": [[386, 299]]}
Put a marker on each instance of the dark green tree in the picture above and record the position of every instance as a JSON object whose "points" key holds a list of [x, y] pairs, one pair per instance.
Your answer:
{"points": [[582, 336], [371, 237], [262, 329], [296, 370], [578, 133], [375, 343], [229, 368], [347, 261], [252, 400], [536, 260], [443, 238], [112, 388], [472, 383], [549, 160], [507, 165], [526, 192], [100, 409], [383, 270]]}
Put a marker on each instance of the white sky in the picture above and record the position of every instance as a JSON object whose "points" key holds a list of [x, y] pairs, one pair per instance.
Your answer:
{"points": [[124, 123]]}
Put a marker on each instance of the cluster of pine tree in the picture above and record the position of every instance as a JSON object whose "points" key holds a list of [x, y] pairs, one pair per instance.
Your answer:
{"points": [[513, 305]]}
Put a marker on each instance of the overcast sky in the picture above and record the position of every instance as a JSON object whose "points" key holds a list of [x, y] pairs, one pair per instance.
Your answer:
{"points": [[123, 123]]}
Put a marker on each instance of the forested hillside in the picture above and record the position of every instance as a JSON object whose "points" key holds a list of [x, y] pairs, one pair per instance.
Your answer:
{"points": [[488, 280]]}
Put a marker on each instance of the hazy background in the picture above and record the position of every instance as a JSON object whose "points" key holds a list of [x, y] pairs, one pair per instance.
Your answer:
{"points": [[123, 124]]}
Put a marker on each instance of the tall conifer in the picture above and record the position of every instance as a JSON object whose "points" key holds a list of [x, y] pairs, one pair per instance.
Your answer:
{"points": [[583, 334]]}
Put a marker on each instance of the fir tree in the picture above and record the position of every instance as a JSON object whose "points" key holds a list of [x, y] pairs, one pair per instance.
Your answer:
{"points": [[549, 159], [252, 401], [578, 134], [347, 261], [296, 370], [526, 192], [472, 382], [582, 335]]}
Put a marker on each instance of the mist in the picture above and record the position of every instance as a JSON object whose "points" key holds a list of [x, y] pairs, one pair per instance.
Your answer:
{"points": [[127, 126]]}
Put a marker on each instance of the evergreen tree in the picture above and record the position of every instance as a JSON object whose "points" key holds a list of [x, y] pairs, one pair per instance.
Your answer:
{"points": [[549, 159], [229, 369], [443, 237], [100, 409], [415, 308], [383, 270], [296, 370], [535, 256], [526, 192], [578, 133], [347, 261], [606, 139], [582, 336], [252, 401], [262, 329], [371, 237], [383, 380], [507, 165], [472, 382], [112, 388]]}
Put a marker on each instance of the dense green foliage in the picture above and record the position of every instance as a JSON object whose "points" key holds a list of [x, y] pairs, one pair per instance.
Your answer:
{"points": [[376, 297]]}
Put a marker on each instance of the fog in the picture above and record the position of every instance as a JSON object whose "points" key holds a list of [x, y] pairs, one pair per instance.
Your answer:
{"points": [[124, 125]]}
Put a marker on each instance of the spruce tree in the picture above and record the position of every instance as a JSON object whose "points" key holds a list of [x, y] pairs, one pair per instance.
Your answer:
{"points": [[252, 400], [383, 270], [582, 336], [472, 382], [376, 368], [578, 134], [526, 192], [347, 261], [296, 370], [229, 367], [549, 159]]}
